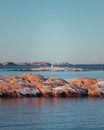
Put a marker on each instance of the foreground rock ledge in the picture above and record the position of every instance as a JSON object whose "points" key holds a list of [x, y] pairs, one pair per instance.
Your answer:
{"points": [[29, 85]]}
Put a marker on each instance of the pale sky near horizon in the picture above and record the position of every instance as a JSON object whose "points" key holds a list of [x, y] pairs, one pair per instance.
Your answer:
{"points": [[52, 30]]}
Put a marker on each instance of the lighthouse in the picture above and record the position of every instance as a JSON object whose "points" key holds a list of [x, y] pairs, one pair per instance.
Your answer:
{"points": [[52, 66]]}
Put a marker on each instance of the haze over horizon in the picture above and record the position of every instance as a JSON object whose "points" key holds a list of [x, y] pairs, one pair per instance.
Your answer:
{"points": [[52, 31]]}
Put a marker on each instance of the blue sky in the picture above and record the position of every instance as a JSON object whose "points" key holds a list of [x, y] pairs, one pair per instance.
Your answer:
{"points": [[52, 30]]}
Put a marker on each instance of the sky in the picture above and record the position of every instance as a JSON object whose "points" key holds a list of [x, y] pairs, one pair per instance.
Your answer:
{"points": [[52, 31]]}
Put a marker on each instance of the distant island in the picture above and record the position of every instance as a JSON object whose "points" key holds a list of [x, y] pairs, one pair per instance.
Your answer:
{"points": [[46, 66], [43, 64], [26, 63]]}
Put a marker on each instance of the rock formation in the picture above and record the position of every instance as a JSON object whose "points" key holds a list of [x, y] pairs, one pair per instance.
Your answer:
{"points": [[29, 85], [95, 87], [38, 64], [44, 64], [64, 64], [8, 63]]}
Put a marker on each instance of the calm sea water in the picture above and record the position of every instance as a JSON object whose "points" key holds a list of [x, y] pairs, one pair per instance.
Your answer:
{"points": [[52, 113], [64, 75]]}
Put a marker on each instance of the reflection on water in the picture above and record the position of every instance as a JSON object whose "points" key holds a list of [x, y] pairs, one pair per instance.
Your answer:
{"points": [[51, 113]]}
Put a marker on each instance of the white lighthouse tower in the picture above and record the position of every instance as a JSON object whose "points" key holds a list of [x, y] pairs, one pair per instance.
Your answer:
{"points": [[52, 66]]}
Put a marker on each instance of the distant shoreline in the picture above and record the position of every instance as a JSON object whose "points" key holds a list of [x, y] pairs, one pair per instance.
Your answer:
{"points": [[51, 69], [45, 66]]}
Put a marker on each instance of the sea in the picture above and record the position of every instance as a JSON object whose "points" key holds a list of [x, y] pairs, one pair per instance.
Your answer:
{"points": [[52, 113]]}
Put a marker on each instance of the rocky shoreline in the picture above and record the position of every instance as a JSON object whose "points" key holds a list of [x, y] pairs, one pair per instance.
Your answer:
{"points": [[51, 69], [30, 85]]}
